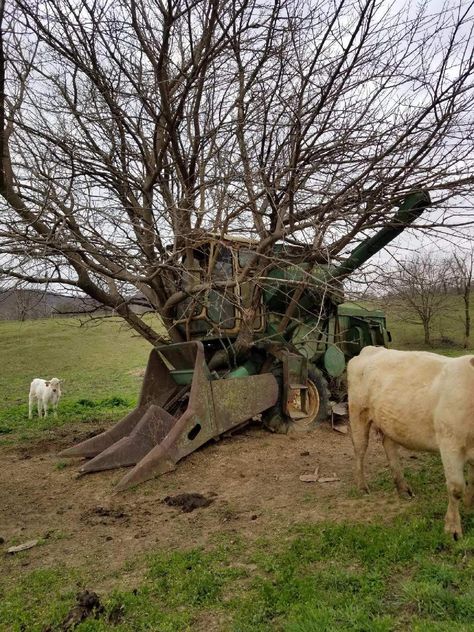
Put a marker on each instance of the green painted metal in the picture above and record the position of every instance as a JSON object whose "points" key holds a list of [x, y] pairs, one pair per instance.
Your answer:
{"points": [[184, 376], [334, 361], [410, 209], [249, 368], [219, 319], [309, 340]]}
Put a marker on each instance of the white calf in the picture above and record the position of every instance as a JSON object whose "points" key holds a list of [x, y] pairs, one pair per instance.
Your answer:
{"points": [[45, 392]]}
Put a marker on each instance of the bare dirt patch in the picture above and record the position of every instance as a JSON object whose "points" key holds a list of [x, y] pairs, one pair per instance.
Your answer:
{"points": [[188, 502], [53, 442], [137, 372], [103, 515], [252, 479]]}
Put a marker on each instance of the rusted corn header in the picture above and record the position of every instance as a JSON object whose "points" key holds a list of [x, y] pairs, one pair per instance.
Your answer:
{"points": [[182, 406]]}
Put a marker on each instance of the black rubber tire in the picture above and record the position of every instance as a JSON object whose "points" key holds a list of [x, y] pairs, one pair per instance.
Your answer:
{"points": [[321, 385], [274, 421], [316, 376]]}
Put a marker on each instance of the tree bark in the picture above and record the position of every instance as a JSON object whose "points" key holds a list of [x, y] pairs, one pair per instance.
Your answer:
{"points": [[467, 316]]}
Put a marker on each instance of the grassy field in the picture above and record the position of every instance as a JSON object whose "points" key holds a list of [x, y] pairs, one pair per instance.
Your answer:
{"points": [[373, 575], [325, 577], [447, 329], [100, 363]]}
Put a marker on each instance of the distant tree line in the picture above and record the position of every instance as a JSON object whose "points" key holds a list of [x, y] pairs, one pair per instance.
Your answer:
{"points": [[420, 290], [30, 304]]}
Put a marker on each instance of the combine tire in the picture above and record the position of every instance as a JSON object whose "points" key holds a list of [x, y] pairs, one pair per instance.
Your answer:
{"points": [[319, 407], [321, 384], [319, 396]]}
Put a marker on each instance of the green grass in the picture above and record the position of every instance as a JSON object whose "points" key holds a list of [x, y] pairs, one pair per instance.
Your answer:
{"points": [[98, 362], [360, 577], [447, 330], [324, 577]]}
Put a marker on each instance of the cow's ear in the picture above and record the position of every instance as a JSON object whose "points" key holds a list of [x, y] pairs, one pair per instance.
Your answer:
{"points": [[46, 383], [62, 381]]}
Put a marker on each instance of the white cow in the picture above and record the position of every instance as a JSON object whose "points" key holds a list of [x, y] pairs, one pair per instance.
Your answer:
{"points": [[422, 401], [45, 392]]}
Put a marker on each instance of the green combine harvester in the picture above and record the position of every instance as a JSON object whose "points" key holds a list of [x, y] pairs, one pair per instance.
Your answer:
{"points": [[303, 336]]}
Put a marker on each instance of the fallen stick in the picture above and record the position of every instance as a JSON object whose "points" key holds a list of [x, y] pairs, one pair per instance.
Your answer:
{"points": [[310, 478], [22, 547], [328, 479]]}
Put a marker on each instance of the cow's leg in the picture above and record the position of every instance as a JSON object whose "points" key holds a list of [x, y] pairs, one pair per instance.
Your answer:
{"points": [[391, 450], [40, 406], [30, 406], [453, 463], [55, 410], [360, 428], [469, 492]]}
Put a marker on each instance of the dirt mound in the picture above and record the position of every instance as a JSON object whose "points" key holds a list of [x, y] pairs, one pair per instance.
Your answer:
{"points": [[103, 515], [88, 604], [188, 502]]}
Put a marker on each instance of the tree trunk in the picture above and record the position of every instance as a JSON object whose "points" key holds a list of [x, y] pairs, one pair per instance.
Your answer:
{"points": [[426, 329], [467, 317]]}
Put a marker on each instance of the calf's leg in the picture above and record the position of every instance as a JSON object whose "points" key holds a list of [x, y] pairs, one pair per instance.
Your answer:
{"points": [[360, 427], [391, 450], [30, 406], [453, 463], [40, 406]]}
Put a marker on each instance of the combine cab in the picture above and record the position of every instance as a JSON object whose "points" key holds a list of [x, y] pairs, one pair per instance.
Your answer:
{"points": [[289, 376]]}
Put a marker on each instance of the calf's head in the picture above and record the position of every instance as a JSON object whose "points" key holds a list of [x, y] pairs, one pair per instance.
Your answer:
{"points": [[54, 386]]}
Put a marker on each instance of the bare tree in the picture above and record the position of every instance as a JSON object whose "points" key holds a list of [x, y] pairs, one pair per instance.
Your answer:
{"points": [[19, 303], [28, 304], [129, 130], [461, 268], [419, 291]]}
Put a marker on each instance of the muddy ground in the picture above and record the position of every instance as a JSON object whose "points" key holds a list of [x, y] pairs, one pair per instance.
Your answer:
{"points": [[252, 479]]}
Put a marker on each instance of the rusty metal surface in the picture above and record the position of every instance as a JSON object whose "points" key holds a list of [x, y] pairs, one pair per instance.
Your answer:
{"points": [[305, 422], [152, 428], [214, 407], [161, 431], [237, 400], [158, 388]]}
